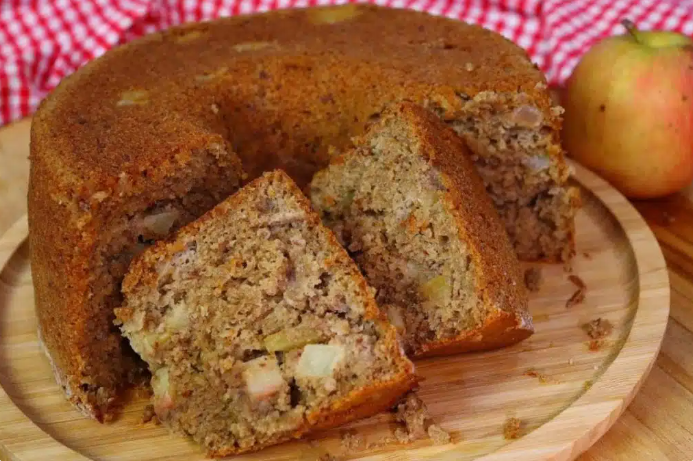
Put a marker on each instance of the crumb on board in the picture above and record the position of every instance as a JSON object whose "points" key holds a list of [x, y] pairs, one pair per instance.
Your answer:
{"points": [[579, 295], [598, 328], [587, 384], [533, 279], [596, 345], [571, 362], [542, 377], [413, 414], [352, 440], [148, 415], [586, 255], [577, 298], [402, 436], [439, 435], [577, 281], [532, 373], [512, 429]]}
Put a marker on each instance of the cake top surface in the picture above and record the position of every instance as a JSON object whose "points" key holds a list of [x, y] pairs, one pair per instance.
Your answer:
{"points": [[151, 103]]}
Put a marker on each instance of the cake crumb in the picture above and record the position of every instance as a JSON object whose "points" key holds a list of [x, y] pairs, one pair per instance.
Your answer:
{"points": [[587, 385], [412, 412], [596, 345], [402, 436], [571, 362], [542, 377], [575, 299], [352, 440], [533, 279], [149, 415], [579, 295], [598, 328], [586, 255], [512, 429], [439, 435], [577, 281]]}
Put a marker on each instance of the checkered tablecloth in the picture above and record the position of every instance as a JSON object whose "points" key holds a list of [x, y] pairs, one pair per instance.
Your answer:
{"points": [[42, 41]]}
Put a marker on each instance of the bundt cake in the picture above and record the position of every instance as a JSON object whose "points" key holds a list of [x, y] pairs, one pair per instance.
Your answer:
{"points": [[257, 326], [410, 208], [146, 134]]}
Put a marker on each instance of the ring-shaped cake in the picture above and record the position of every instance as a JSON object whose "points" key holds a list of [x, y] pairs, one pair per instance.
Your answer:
{"points": [[148, 137]]}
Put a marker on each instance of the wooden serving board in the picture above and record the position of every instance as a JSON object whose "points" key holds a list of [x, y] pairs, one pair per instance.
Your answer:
{"points": [[564, 390]]}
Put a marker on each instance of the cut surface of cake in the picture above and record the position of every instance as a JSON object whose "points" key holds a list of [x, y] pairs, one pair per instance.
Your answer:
{"points": [[410, 208], [258, 327]]}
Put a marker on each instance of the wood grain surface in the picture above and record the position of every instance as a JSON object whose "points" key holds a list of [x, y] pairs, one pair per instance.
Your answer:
{"points": [[14, 172], [657, 426]]}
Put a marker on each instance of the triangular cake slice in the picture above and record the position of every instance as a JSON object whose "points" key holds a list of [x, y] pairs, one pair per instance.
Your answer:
{"points": [[409, 206], [258, 327]]}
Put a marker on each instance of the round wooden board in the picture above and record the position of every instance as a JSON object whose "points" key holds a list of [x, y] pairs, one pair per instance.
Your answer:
{"points": [[565, 394]]}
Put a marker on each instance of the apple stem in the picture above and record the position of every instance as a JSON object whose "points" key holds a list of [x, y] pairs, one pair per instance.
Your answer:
{"points": [[631, 28]]}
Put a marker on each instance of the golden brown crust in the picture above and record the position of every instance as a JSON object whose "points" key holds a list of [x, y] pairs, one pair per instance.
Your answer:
{"points": [[230, 62], [278, 88], [68, 219], [501, 330]]}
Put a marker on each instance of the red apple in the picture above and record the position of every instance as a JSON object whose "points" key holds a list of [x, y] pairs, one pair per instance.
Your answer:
{"points": [[629, 111]]}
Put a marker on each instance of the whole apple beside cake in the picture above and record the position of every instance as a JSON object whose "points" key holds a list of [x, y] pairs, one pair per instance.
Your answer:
{"points": [[171, 231], [629, 111]]}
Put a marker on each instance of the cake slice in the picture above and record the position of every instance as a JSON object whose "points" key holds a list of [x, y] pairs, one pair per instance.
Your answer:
{"points": [[257, 326], [412, 211]]}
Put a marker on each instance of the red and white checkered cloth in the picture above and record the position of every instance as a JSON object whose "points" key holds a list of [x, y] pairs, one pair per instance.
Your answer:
{"points": [[42, 41]]}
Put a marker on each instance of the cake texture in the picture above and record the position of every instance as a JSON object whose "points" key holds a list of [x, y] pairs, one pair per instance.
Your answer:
{"points": [[258, 327], [151, 127], [411, 209]]}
